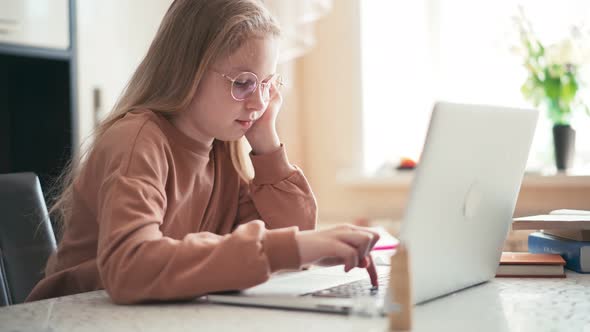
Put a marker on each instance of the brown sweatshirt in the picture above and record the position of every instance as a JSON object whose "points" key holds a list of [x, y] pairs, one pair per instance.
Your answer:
{"points": [[159, 216]]}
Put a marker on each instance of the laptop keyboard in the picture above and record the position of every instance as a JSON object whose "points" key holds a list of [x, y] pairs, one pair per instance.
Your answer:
{"points": [[354, 289]]}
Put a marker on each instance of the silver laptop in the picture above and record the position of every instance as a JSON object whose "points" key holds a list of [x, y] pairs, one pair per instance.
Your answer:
{"points": [[459, 212]]}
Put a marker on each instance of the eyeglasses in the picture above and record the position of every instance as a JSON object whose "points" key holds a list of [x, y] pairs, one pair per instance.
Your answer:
{"points": [[246, 83]]}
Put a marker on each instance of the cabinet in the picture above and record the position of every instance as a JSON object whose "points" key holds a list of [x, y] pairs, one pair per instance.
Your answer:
{"points": [[63, 64], [37, 86], [38, 23]]}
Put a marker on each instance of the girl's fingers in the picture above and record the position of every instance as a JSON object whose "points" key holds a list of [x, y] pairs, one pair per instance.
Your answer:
{"points": [[372, 269], [359, 240], [364, 262], [350, 246], [347, 255], [274, 92], [375, 238], [367, 263]]}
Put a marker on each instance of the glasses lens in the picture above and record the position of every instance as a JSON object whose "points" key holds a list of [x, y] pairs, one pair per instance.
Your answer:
{"points": [[243, 86]]}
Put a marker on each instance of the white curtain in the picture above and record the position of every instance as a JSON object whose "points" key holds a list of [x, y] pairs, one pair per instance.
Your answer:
{"points": [[297, 19]]}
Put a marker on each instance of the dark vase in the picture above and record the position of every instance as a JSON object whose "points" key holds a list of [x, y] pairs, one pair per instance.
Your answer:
{"points": [[564, 142]]}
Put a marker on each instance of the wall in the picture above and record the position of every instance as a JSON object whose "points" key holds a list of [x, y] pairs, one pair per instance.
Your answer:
{"points": [[113, 37], [331, 110]]}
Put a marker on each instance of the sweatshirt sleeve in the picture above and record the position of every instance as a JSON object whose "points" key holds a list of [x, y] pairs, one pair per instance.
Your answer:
{"points": [[137, 263], [279, 194]]}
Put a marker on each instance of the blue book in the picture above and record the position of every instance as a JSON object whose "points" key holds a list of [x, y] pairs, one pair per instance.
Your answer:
{"points": [[575, 253]]}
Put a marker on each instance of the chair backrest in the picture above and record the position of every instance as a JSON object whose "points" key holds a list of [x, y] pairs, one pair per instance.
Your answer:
{"points": [[26, 236]]}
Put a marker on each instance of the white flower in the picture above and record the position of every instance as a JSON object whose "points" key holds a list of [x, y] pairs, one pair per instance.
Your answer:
{"points": [[568, 52], [561, 53]]}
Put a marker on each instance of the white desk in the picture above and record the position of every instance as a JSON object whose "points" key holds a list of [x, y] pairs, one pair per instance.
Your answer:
{"points": [[499, 305]]}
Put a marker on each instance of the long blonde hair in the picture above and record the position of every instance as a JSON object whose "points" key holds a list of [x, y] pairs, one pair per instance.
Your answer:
{"points": [[192, 35]]}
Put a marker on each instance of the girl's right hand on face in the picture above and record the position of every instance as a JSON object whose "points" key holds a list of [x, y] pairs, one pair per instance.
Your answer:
{"points": [[345, 244]]}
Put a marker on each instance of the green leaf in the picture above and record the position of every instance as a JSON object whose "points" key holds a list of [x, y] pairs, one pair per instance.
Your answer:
{"points": [[552, 86], [556, 71], [569, 87], [541, 49]]}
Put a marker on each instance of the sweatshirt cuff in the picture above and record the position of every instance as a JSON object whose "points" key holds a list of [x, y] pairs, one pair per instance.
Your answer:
{"points": [[272, 167], [281, 249]]}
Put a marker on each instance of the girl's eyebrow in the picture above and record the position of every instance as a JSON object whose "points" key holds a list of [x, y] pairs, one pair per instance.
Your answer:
{"points": [[237, 70]]}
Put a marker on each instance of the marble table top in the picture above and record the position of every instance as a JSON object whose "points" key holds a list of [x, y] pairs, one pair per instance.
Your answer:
{"points": [[503, 304]]}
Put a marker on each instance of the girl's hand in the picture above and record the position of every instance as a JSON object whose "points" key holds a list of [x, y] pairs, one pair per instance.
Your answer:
{"points": [[262, 136], [346, 244]]}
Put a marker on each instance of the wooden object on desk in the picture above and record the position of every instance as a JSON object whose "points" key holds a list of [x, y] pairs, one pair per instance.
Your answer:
{"points": [[400, 289], [529, 265]]}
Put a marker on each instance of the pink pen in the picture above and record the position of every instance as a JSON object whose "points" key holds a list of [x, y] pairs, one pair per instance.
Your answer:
{"points": [[385, 247]]}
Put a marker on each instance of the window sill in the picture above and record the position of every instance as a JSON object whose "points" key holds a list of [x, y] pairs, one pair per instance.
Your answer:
{"points": [[403, 179]]}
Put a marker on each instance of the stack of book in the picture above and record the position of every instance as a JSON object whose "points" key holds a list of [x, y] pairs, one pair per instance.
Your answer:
{"points": [[563, 232], [527, 265]]}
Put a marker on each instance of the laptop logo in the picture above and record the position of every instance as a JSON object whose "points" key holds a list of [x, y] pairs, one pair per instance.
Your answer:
{"points": [[473, 200]]}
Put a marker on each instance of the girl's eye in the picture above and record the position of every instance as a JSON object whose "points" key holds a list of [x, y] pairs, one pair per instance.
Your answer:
{"points": [[244, 83]]}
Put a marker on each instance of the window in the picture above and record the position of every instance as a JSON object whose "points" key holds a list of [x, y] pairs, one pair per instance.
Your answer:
{"points": [[456, 50]]}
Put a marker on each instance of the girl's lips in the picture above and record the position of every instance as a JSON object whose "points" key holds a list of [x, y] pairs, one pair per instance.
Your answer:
{"points": [[245, 124]]}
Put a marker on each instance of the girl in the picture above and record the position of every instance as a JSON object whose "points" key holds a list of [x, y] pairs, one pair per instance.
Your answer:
{"points": [[164, 207]]}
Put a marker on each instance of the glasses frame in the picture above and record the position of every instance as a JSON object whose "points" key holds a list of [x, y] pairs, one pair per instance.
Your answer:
{"points": [[275, 78]]}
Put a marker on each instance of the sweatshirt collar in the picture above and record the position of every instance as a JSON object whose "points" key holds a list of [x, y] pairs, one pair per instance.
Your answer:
{"points": [[178, 137]]}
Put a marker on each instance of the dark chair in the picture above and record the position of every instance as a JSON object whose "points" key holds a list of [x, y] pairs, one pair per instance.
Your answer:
{"points": [[26, 236]]}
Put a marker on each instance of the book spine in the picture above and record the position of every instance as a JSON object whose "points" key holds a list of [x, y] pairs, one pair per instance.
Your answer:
{"points": [[569, 250]]}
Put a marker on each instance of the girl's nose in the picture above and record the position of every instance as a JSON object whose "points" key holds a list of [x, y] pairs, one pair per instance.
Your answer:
{"points": [[256, 102]]}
